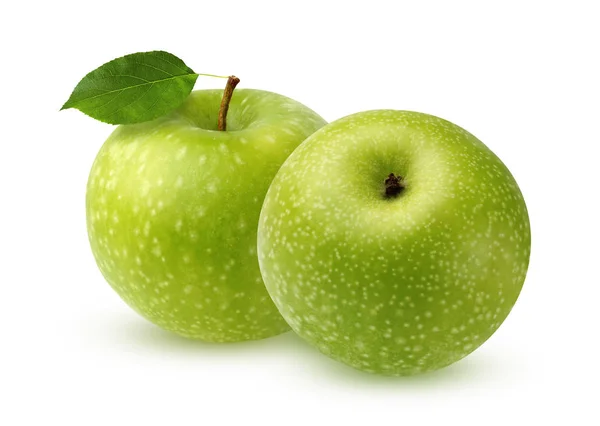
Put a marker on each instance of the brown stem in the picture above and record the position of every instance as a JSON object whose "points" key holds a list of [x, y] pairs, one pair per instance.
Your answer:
{"points": [[232, 81], [393, 185]]}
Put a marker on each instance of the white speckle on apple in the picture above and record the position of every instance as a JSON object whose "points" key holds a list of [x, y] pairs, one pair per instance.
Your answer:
{"points": [[237, 159], [178, 225], [181, 153]]}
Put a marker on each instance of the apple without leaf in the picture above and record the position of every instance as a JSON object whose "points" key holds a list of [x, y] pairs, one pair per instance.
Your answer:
{"points": [[394, 241], [173, 207]]}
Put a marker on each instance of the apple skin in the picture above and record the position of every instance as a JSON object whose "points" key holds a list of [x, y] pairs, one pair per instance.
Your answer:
{"points": [[173, 207], [403, 285]]}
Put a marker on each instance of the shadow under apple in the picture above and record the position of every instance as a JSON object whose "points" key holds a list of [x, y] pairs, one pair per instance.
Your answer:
{"points": [[138, 335]]}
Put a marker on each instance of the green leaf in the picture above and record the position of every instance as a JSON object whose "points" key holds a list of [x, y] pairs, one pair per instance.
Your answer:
{"points": [[134, 88]]}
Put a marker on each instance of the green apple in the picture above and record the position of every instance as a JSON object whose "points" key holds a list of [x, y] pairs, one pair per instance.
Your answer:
{"points": [[173, 207], [399, 274]]}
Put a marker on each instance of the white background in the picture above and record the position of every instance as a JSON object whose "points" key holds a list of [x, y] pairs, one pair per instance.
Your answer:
{"points": [[523, 76]]}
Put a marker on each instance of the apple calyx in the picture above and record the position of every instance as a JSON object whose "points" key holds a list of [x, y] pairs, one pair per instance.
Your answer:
{"points": [[394, 185], [232, 81]]}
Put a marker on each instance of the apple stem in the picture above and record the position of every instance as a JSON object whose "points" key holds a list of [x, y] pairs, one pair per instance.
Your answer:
{"points": [[394, 185], [232, 81]]}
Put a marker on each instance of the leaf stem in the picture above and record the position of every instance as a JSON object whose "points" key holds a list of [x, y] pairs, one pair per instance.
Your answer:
{"points": [[214, 75], [232, 81]]}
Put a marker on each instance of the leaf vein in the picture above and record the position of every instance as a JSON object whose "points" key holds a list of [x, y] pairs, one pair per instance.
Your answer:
{"points": [[132, 102], [187, 70], [157, 69], [162, 80]]}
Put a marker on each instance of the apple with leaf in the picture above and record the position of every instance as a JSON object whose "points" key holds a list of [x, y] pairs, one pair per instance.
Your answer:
{"points": [[174, 195]]}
